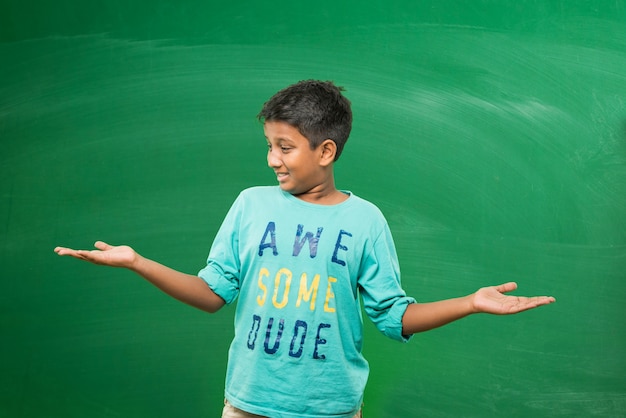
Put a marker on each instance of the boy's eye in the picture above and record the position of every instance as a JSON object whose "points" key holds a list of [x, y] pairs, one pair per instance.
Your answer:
{"points": [[283, 148]]}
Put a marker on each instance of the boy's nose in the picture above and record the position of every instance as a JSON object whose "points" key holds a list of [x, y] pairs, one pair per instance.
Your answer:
{"points": [[272, 160]]}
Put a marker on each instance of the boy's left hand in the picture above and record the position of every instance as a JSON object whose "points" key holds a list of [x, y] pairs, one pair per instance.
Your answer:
{"points": [[494, 301]]}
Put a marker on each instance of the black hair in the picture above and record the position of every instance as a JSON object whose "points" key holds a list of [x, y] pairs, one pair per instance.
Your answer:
{"points": [[317, 109]]}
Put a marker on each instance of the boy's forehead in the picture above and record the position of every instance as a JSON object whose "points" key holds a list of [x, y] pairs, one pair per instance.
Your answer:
{"points": [[274, 124], [279, 129]]}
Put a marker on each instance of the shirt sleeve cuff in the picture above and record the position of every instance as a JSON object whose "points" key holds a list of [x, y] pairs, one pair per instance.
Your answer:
{"points": [[224, 286], [393, 322]]}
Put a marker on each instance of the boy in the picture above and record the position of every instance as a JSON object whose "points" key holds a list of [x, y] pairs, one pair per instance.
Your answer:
{"points": [[298, 256]]}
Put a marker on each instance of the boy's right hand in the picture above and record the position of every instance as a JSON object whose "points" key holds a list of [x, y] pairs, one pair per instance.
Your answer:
{"points": [[187, 288], [106, 255]]}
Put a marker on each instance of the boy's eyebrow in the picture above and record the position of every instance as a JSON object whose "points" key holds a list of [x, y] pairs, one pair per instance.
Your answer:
{"points": [[281, 139]]}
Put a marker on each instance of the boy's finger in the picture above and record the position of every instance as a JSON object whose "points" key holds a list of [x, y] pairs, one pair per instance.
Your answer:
{"points": [[63, 250], [506, 287], [101, 245]]}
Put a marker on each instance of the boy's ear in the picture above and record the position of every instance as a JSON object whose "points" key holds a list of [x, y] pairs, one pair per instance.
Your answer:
{"points": [[328, 150]]}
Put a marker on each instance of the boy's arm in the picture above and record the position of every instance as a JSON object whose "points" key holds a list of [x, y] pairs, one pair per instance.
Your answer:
{"points": [[187, 288], [420, 317]]}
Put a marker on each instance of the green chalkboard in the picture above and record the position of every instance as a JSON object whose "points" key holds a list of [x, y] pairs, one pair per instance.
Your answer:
{"points": [[491, 134]]}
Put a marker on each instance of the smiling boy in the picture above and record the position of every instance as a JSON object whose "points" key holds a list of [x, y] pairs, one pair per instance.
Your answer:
{"points": [[300, 258], [300, 170]]}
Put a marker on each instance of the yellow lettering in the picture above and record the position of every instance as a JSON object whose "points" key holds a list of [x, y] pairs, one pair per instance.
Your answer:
{"points": [[308, 293], [329, 295], [277, 280], [261, 298]]}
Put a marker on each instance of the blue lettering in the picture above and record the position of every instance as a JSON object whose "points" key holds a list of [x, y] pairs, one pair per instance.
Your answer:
{"points": [[299, 243], [298, 340], [270, 229], [299, 324], [319, 341], [256, 320], [338, 247], [281, 327]]}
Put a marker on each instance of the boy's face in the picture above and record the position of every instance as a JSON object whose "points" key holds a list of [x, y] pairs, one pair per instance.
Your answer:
{"points": [[298, 168]]}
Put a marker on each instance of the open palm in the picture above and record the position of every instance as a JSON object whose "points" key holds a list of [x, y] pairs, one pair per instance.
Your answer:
{"points": [[107, 255], [493, 300]]}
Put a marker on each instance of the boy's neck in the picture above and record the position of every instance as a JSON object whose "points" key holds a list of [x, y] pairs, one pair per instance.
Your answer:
{"points": [[324, 194]]}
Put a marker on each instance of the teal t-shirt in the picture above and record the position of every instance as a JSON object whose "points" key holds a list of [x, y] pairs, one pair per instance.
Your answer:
{"points": [[297, 270]]}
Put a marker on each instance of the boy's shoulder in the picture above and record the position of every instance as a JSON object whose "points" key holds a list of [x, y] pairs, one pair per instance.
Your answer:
{"points": [[260, 192], [260, 189], [272, 193]]}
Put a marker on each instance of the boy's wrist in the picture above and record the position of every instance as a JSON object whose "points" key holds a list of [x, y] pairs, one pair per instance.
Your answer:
{"points": [[136, 263], [471, 305]]}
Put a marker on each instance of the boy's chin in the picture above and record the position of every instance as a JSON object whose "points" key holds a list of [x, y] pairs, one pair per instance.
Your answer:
{"points": [[285, 187], [290, 190]]}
